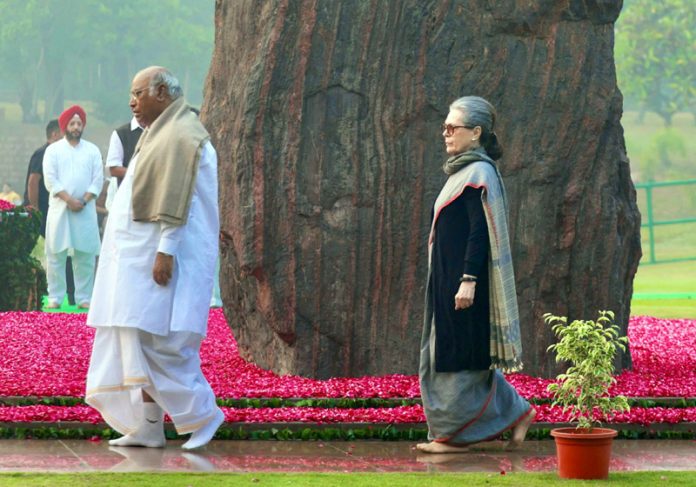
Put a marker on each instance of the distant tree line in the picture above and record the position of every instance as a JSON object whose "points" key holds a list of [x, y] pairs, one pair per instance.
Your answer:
{"points": [[656, 56], [88, 49], [54, 50]]}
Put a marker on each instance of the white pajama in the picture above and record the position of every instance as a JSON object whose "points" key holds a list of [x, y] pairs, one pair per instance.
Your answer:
{"points": [[168, 368], [83, 271]]}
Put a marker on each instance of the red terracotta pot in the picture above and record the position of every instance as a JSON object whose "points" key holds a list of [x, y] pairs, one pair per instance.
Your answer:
{"points": [[582, 453]]}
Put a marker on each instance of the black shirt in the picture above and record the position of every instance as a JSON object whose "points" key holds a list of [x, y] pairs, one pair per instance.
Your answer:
{"points": [[36, 167]]}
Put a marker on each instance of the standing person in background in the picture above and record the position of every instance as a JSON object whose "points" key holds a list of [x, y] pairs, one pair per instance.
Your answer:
{"points": [[471, 326], [155, 277], [35, 193], [73, 176], [121, 147], [9, 194]]}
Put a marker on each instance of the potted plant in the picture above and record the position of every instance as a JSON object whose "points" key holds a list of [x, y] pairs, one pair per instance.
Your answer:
{"points": [[590, 348]]}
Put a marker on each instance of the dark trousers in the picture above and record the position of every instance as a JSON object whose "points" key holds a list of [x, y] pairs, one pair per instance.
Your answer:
{"points": [[70, 281]]}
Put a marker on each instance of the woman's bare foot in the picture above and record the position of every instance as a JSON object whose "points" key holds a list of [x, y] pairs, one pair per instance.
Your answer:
{"points": [[520, 430], [436, 447]]}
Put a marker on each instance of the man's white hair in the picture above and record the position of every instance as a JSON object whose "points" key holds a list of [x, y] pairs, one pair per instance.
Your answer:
{"points": [[166, 78]]}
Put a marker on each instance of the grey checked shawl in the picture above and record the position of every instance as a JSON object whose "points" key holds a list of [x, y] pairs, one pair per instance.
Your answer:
{"points": [[474, 168]]}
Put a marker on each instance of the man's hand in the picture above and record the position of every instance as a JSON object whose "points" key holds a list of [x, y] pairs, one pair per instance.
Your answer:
{"points": [[162, 270], [75, 204], [465, 296], [117, 171], [33, 189]]}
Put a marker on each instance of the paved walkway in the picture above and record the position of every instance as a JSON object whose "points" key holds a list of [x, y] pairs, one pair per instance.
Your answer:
{"points": [[296, 456]]}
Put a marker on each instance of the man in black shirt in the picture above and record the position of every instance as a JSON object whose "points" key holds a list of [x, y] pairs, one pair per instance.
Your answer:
{"points": [[36, 194]]}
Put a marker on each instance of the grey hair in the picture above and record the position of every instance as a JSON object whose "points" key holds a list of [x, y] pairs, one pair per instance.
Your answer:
{"points": [[476, 111], [166, 78]]}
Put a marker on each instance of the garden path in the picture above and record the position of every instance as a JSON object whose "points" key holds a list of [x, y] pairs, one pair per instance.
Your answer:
{"points": [[315, 456]]}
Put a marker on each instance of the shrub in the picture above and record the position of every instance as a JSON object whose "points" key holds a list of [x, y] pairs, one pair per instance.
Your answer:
{"points": [[24, 280], [590, 347]]}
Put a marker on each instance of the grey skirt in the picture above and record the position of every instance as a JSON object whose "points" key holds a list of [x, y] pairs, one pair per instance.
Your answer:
{"points": [[468, 406]]}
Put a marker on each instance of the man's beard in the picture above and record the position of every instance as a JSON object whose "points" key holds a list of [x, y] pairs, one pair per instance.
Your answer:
{"points": [[74, 135]]}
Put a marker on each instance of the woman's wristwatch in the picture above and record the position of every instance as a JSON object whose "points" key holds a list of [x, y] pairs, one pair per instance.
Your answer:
{"points": [[467, 278]]}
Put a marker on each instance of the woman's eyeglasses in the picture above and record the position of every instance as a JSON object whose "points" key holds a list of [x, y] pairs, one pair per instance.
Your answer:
{"points": [[449, 129]]}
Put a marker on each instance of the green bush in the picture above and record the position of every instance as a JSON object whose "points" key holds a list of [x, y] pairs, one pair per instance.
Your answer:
{"points": [[590, 347], [24, 280]]}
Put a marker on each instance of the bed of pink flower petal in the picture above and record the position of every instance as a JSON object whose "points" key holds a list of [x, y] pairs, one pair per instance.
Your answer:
{"points": [[47, 354], [401, 415]]}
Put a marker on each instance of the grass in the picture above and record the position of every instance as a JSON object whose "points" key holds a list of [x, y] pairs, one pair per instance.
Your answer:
{"points": [[670, 278], [633, 479], [669, 309], [643, 138], [677, 277], [675, 241]]}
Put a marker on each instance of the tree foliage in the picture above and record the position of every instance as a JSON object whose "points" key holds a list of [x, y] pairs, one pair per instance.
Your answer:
{"points": [[23, 276], [90, 49], [656, 64]]}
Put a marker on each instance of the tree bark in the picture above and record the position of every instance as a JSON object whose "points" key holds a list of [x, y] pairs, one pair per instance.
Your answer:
{"points": [[326, 116]]}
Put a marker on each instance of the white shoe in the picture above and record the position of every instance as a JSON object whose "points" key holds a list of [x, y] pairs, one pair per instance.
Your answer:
{"points": [[149, 434], [204, 434], [138, 439]]}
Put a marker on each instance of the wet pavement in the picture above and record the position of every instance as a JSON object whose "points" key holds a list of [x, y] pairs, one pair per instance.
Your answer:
{"points": [[314, 456]]}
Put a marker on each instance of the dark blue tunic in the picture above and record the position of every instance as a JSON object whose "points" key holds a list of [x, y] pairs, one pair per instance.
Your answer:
{"points": [[460, 246]]}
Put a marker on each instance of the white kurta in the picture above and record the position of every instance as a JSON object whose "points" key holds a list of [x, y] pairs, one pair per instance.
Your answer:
{"points": [[125, 293], [75, 170]]}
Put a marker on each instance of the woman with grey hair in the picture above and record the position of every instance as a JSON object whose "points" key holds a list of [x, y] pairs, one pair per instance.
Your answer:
{"points": [[471, 327]]}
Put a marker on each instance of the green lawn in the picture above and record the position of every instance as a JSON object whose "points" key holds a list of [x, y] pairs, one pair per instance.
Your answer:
{"points": [[642, 140], [676, 241], [677, 277], [669, 203], [635, 479], [672, 309], [654, 280]]}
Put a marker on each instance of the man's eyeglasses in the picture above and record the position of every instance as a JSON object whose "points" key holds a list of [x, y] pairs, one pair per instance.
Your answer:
{"points": [[136, 94], [449, 129]]}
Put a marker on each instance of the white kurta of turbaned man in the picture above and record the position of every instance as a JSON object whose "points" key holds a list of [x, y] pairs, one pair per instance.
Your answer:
{"points": [[75, 170], [125, 293]]}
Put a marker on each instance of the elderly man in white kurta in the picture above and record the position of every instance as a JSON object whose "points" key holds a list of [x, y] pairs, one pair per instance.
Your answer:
{"points": [[155, 277], [73, 175]]}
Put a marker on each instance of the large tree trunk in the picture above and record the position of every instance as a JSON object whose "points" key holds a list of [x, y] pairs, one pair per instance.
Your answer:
{"points": [[326, 116]]}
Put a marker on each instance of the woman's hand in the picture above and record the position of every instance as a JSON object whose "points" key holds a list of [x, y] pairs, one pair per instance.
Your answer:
{"points": [[465, 296]]}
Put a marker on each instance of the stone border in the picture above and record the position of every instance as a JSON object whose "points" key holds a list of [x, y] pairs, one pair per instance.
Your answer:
{"points": [[321, 431]]}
